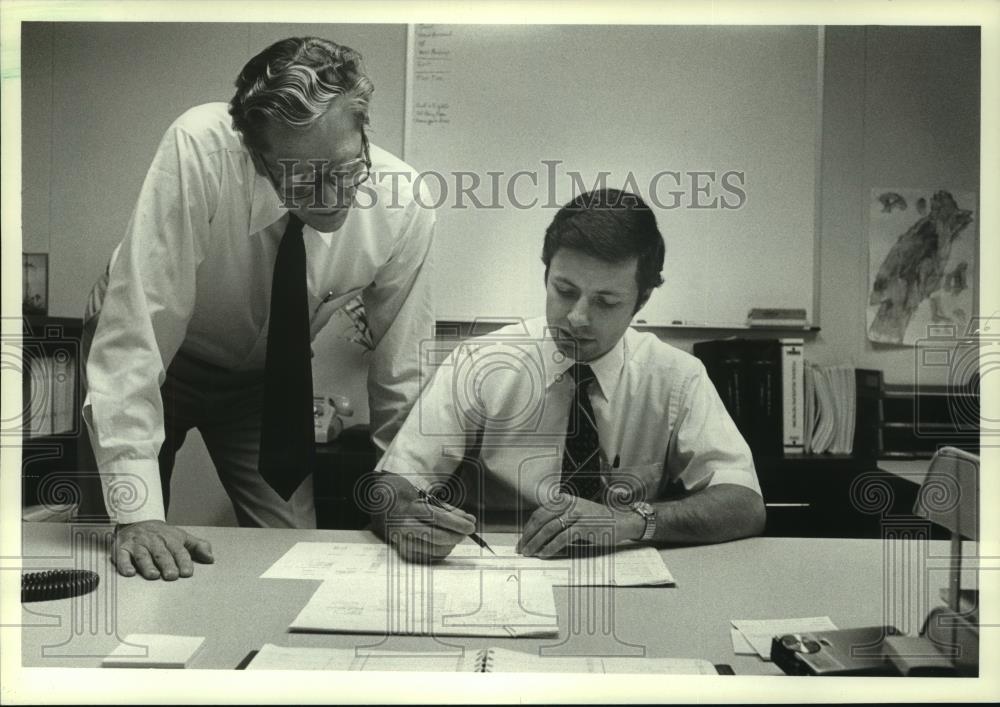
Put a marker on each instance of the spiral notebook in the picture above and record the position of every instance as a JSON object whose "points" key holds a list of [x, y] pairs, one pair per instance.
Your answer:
{"points": [[486, 660]]}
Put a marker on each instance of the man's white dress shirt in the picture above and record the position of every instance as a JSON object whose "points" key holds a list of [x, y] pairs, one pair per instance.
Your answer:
{"points": [[193, 273]]}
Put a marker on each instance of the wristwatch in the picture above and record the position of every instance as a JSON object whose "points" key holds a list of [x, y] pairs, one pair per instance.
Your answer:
{"points": [[648, 514]]}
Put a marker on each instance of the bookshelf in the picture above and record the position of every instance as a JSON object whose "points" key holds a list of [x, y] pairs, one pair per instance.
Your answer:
{"points": [[863, 494], [842, 494], [918, 420]]}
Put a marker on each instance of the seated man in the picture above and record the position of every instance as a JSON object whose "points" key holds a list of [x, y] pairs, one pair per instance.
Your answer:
{"points": [[591, 431]]}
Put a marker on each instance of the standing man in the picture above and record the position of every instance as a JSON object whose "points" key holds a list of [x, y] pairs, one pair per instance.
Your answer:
{"points": [[255, 223], [586, 429]]}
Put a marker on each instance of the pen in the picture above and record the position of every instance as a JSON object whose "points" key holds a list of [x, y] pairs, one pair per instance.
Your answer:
{"points": [[605, 467], [606, 474], [435, 501]]}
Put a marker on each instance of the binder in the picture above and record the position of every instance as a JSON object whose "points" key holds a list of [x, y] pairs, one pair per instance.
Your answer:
{"points": [[763, 382], [760, 381], [485, 660], [724, 364], [792, 396], [868, 426]]}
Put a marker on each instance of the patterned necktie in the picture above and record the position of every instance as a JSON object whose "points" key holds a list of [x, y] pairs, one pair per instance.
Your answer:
{"points": [[581, 466], [287, 452]]}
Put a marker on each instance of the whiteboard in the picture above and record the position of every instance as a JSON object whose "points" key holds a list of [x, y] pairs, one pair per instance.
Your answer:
{"points": [[676, 113]]}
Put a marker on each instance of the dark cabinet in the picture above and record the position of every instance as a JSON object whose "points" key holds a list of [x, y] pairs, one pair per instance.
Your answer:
{"points": [[339, 465], [836, 497]]}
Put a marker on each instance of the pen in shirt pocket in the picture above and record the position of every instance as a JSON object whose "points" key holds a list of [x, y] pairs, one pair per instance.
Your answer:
{"points": [[606, 468], [328, 297]]}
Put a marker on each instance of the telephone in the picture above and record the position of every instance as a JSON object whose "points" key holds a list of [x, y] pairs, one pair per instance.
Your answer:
{"points": [[328, 411]]}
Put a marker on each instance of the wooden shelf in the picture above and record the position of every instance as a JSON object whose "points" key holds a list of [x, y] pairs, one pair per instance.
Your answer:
{"points": [[712, 326], [464, 327]]}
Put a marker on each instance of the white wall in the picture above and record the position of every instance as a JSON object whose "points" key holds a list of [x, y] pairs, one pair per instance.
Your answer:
{"points": [[901, 107]]}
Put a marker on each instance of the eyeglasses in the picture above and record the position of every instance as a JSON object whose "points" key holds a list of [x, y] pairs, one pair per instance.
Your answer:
{"points": [[296, 189]]}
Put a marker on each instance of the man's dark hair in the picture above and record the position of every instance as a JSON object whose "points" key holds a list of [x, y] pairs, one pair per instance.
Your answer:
{"points": [[610, 225]]}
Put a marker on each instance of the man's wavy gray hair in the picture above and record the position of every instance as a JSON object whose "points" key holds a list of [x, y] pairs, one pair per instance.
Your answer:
{"points": [[293, 83]]}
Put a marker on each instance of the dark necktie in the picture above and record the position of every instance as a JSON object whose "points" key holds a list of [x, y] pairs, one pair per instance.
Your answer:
{"points": [[581, 466], [287, 450]]}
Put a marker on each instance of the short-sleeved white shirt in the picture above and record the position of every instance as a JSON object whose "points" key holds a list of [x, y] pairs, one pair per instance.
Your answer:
{"points": [[659, 419]]}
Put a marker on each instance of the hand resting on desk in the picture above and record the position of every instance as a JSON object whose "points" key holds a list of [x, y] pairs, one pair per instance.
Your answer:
{"points": [[418, 530], [157, 550], [572, 521]]}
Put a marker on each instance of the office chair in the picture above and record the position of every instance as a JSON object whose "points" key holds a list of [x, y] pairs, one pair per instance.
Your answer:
{"points": [[949, 497]]}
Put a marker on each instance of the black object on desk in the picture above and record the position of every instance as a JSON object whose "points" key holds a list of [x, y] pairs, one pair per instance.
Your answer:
{"points": [[57, 584], [339, 465], [247, 659], [853, 651]]}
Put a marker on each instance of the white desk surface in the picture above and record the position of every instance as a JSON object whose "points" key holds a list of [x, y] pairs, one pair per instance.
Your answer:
{"points": [[855, 582]]}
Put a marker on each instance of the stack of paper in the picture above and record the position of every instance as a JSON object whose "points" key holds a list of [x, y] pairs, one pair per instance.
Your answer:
{"points": [[830, 409], [628, 567], [439, 603], [625, 567], [368, 588], [750, 636], [273, 657]]}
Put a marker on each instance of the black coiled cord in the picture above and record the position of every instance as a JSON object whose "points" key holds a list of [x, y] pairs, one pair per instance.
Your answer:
{"points": [[57, 584]]}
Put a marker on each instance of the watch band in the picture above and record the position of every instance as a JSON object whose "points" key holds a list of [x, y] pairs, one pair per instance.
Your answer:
{"points": [[648, 514]]}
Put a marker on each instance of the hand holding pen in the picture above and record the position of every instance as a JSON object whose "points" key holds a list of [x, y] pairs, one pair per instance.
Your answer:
{"points": [[438, 503], [420, 526]]}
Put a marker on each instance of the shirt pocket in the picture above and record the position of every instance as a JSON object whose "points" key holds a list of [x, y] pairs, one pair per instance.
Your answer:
{"points": [[328, 305]]}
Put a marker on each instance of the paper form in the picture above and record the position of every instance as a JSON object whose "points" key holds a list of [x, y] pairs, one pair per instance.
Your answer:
{"points": [[368, 588], [428, 602], [626, 567], [316, 560], [623, 568], [272, 657], [501, 660], [759, 632]]}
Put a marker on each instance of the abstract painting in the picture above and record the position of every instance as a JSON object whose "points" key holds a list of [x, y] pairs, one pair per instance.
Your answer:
{"points": [[921, 262]]}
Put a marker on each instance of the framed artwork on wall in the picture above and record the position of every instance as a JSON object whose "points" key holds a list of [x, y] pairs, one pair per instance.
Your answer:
{"points": [[35, 278]]}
